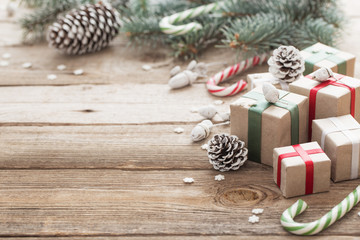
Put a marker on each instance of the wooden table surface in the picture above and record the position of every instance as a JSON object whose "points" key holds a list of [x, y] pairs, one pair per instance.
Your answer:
{"points": [[95, 156]]}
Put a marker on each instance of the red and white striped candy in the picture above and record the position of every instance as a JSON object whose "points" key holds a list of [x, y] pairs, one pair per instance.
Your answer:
{"points": [[212, 83]]}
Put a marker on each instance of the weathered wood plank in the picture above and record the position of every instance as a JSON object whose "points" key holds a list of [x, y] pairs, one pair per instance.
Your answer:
{"points": [[183, 237], [115, 202], [124, 147], [114, 104]]}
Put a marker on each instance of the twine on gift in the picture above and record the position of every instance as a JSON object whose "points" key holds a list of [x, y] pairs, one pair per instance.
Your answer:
{"points": [[312, 228]]}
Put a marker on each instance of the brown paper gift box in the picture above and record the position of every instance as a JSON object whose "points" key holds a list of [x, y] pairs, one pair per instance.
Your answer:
{"points": [[275, 123], [338, 146], [258, 79], [320, 55], [331, 101], [293, 171]]}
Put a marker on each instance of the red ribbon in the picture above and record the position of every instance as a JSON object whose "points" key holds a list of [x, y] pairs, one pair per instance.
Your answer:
{"points": [[309, 165], [313, 93]]}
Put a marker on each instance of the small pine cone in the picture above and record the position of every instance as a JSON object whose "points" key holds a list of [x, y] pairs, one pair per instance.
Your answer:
{"points": [[84, 30], [286, 64], [226, 152]]}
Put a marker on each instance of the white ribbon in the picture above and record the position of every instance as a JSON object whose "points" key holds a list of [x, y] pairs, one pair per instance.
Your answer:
{"points": [[355, 141]]}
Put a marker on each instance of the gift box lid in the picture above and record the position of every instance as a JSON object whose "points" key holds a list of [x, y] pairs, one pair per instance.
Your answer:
{"points": [[337, 137]]}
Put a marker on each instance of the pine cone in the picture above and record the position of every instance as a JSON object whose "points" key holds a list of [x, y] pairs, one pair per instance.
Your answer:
{"points": [[286, 64], [84, 30], [226, 152]]}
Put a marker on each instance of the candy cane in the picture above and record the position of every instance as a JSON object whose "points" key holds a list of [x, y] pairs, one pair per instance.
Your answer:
{"points": [[212, 83], [317, 226], [166, 24]]}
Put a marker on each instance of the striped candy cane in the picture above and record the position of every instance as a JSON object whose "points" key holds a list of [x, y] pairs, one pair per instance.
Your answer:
{"points": [[166, 24], [212, 83], [317, 226]]}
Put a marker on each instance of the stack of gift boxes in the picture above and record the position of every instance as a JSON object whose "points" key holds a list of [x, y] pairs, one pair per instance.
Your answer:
{"points": [[312, 134]]}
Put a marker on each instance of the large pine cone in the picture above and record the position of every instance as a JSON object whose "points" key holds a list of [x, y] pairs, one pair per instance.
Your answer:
{"points": [[84, 30], [286, 64], [226, 152]]}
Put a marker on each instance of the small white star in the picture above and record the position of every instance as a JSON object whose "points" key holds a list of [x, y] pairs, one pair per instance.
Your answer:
{"points": [[359, 214], [146, 67], [219, 177], [6, 56], [61, 67], [253, 219], [51, 76], [257, 211], [178, 130], [188, 180], [218, 102], [78, 72], [27, 65], [4, 63], [204, 146]]}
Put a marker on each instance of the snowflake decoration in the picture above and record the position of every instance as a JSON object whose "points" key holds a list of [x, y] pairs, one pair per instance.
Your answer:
{"points": [[6, 56], [253, 219], [4, 63], [27, 65], [61, 67], [78, 72], [204, 146], [188, 180], [257, 211], [218, 102], [51, 76], [178, 130], [219, 177]]}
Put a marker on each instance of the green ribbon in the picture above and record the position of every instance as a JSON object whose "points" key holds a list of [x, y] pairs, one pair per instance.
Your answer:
{"points": [[320, 55], [254, 121]]}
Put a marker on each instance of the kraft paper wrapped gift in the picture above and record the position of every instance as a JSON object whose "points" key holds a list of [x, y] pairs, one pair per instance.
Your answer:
{"points": [[264, 126], [258, 79], [301, 169], [339, 137], [330, 98], [320, 55]]}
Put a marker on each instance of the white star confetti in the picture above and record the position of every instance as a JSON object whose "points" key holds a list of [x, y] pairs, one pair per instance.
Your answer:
{"points": [[219, 177], [61, 67], [218, 102], [4, 63], [178, 130], [78, 72], [146, 67], [253, 219], [188, 180], [51, 76], [27, 65], [6, 56], [257, 211], [204, 146]]}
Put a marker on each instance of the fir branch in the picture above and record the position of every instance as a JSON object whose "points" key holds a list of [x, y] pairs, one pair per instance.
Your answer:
{"points": [[190, 45], [259, 33]]}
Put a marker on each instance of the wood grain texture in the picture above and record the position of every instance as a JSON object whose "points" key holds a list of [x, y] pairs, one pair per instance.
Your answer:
{"points": [[121, 203], [124, 147]]}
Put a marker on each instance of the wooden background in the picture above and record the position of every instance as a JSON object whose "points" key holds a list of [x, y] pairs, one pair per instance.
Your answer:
{"points": [[95, 156]]}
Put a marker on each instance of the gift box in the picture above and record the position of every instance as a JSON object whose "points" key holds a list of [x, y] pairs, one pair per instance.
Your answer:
{"points": [[264, 126], [258, 79], [330, 98], [339, 137], [320, 55], [301, 169]]}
